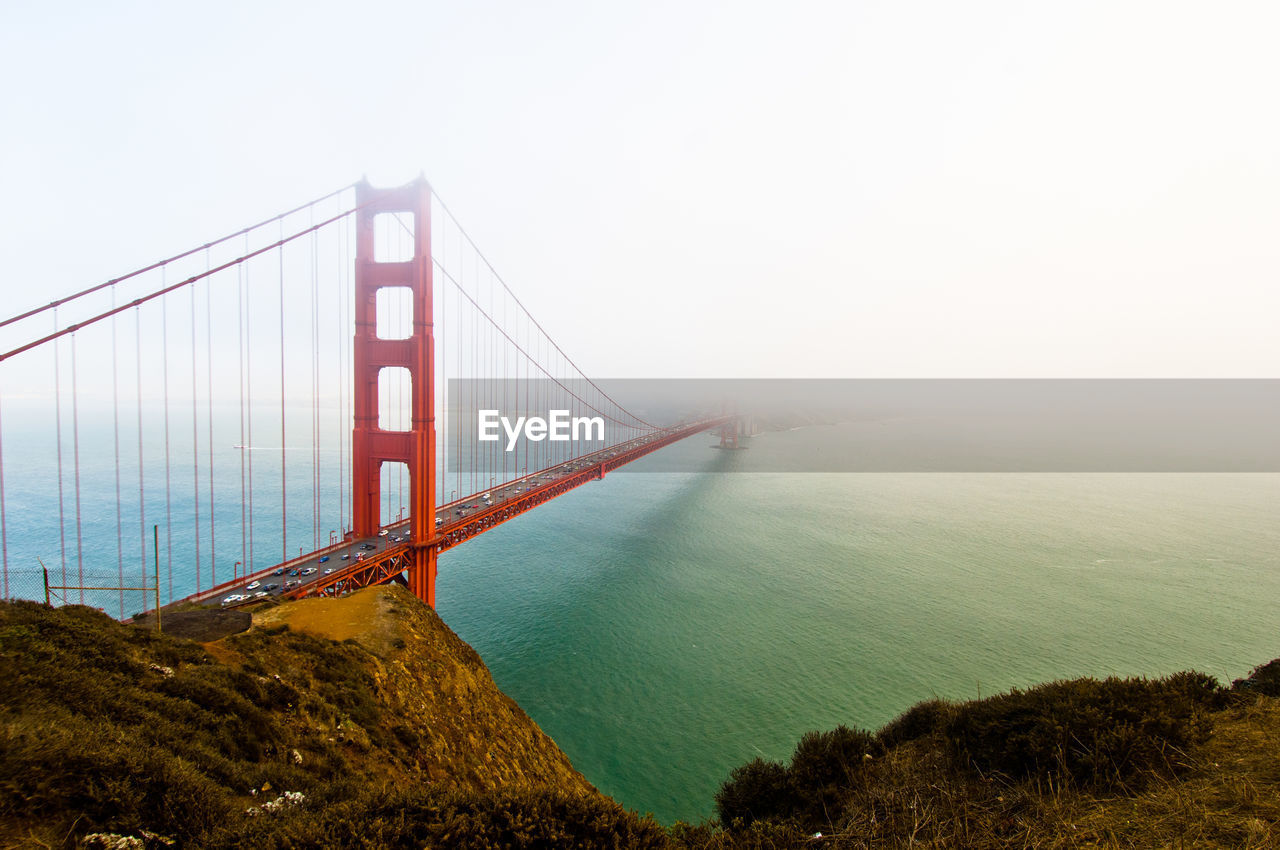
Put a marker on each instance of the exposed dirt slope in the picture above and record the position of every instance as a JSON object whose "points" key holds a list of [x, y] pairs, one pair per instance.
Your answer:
{"points": [[470, 733]]}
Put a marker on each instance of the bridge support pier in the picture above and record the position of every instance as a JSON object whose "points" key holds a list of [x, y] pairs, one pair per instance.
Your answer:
{"points": [[422, 575]]}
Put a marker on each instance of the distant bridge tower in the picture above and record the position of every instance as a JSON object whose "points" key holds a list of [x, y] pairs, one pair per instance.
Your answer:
{"points": [[729, 434], [371, 446], [731, 429]]}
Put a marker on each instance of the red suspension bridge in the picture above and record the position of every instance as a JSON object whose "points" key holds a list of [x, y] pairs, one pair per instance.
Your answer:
{"points": [[315, 380]]}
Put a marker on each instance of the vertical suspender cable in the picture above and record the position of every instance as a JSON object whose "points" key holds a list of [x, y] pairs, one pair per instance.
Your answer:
{"points": [[347, 366], [244, 447], [442, 413], [544, 400], [402, 395], [348, 360], [248, 371], [75, 442], [392, 324], [311, 332], [342, 380], [195, 442], [469, 346], [457, 397], [315, 392], [476, 353], [522, 404], [284, 481], [497, 383], [543, 389], [506, 378], [400, 382], [442, 388], [4, 530], [168, 484], [500, 388], [208, 354], [57, 395], [490, 375], [522, 388], [142, 503], [115, 432]]}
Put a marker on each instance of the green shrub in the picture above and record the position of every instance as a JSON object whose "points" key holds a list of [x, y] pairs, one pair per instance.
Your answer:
{"points": [[824, 767], [757, 790], [1201, 689], [109, 780], [1095, 733], [1263, 679], [831, 758], [918, 721]]}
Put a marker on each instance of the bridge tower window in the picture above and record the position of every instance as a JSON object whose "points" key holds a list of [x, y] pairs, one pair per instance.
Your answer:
{"points": [[393, 237]]}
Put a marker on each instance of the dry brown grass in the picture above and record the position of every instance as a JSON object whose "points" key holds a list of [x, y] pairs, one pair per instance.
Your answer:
{"points": [[1225, 793], [1230, 798], [359, 616]]}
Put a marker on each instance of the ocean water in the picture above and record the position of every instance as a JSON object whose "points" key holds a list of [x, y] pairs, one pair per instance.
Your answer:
{"points": [[666, 627]]}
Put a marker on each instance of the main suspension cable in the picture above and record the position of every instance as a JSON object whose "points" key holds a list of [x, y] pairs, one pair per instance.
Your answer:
{"points": [[161, 263], [72, 328], [516, 298]]}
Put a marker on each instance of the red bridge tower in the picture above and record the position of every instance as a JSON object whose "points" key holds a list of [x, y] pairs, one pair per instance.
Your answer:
{"points": [[371, 446]]}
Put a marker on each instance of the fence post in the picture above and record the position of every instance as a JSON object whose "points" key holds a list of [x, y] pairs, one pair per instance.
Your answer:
{"points": [[155, 537]]}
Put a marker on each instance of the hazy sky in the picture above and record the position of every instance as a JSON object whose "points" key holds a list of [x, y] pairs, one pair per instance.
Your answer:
{"points": [[703, 189]]}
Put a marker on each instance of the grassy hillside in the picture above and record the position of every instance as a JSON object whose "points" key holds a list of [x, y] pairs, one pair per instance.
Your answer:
{"points": [[107, 728]]}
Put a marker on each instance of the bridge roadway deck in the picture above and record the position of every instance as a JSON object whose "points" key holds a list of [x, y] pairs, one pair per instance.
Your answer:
{"points": [[359, 562]]}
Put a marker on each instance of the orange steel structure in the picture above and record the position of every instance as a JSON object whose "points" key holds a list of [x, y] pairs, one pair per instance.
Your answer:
{"points": [[389, 564], [371, 446], [433, 528]]}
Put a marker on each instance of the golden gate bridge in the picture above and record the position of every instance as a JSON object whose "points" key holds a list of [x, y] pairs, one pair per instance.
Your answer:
{"points": [[367, 334]]}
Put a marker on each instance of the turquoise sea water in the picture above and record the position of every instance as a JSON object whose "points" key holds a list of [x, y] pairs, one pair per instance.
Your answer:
{"points": [[663, 628]]}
